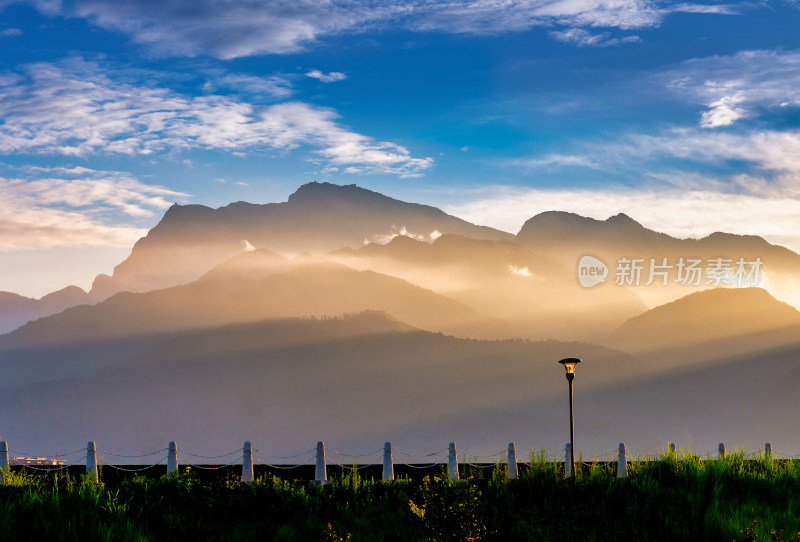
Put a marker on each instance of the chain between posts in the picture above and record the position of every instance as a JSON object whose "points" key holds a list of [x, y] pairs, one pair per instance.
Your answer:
{"points": [[123, 469], [355, 455], [238, 450], [418, 455], [256, 450], [232, 463], [100, 450]]}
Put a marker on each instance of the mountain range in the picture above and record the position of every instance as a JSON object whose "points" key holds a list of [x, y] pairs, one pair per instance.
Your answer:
{"points": [[348, 315]]}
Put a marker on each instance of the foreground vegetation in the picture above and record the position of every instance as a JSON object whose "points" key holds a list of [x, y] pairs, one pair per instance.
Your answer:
{"points": [[674, 498]]}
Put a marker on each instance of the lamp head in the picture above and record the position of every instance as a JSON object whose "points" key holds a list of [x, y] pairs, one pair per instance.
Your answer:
{"points": [[569, 365]]}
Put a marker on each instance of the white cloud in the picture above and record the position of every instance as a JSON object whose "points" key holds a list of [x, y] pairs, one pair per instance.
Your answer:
{"points": [[234, 28], [10, 32], [48, 208], [737, 86], [583, 38], [771, 151], [678, 212], [519, 271], [326, 78], [278, 87], [724, 112], [492, 17], [769, 159], [76, 108], [555, 160], [238, 28]]}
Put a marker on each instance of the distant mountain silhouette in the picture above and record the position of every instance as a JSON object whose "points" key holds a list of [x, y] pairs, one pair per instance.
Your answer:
{"points": [[712, 325], [15, 309], [87, 337], [553, 231], [317, 218], [566, 237], [353, 382]]}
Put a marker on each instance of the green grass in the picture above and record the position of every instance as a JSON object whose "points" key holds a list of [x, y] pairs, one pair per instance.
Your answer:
{"points": [[678, 497]]}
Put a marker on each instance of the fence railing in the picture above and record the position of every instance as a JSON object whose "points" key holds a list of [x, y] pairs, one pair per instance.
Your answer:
{"points": [[320, 457]]}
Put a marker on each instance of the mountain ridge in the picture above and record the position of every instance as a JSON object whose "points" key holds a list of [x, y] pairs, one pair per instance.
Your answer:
{"points": [[708, 326], [317, 218]]}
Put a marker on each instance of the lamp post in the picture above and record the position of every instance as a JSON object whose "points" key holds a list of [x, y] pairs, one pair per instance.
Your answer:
{"points": [[569, 365]]}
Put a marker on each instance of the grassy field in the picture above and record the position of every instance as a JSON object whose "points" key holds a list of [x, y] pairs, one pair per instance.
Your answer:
{"points": [[674, 498]]}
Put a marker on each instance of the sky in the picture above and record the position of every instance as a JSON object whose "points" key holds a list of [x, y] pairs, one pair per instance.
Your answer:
{"points": [[684, 115]]}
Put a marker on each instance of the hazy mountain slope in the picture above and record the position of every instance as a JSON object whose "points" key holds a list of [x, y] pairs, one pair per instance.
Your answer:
{"points": [[540, 297], [709, 325], [86, 337], [15, 309], [318, 217], [566, 237], [353, 382], [254, 263], [745, 401]]}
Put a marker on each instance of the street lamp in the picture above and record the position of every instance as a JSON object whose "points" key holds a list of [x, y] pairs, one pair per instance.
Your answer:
{"points": [[569, 365]]}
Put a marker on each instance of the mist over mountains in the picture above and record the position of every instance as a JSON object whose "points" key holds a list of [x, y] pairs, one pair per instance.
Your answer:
{"points": [[346, 315]]}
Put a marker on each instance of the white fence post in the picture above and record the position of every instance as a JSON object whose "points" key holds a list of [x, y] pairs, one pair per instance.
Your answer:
{"points": [[622, 462], [172, 458], [91, 462], [4, 466], [567, 457], [721, 450], [512, 462], [247, 462], [388, 464], [767, 450], [452, 462], [321, 474]]}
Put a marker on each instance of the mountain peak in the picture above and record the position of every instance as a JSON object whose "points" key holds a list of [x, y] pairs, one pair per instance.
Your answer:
{"points": [[622, 218], [704, 316], [316, 191], [554, 227]]}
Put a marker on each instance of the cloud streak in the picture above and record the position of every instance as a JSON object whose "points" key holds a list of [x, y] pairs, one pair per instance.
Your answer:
{"points": [[583, 38], [43, 208], [326, 77], [739, 86], [75, 108], [239, 28], [767, 162], [277, 87]]}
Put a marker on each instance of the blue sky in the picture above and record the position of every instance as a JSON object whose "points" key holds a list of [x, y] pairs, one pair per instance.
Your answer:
{"points": [[685, 115]]}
